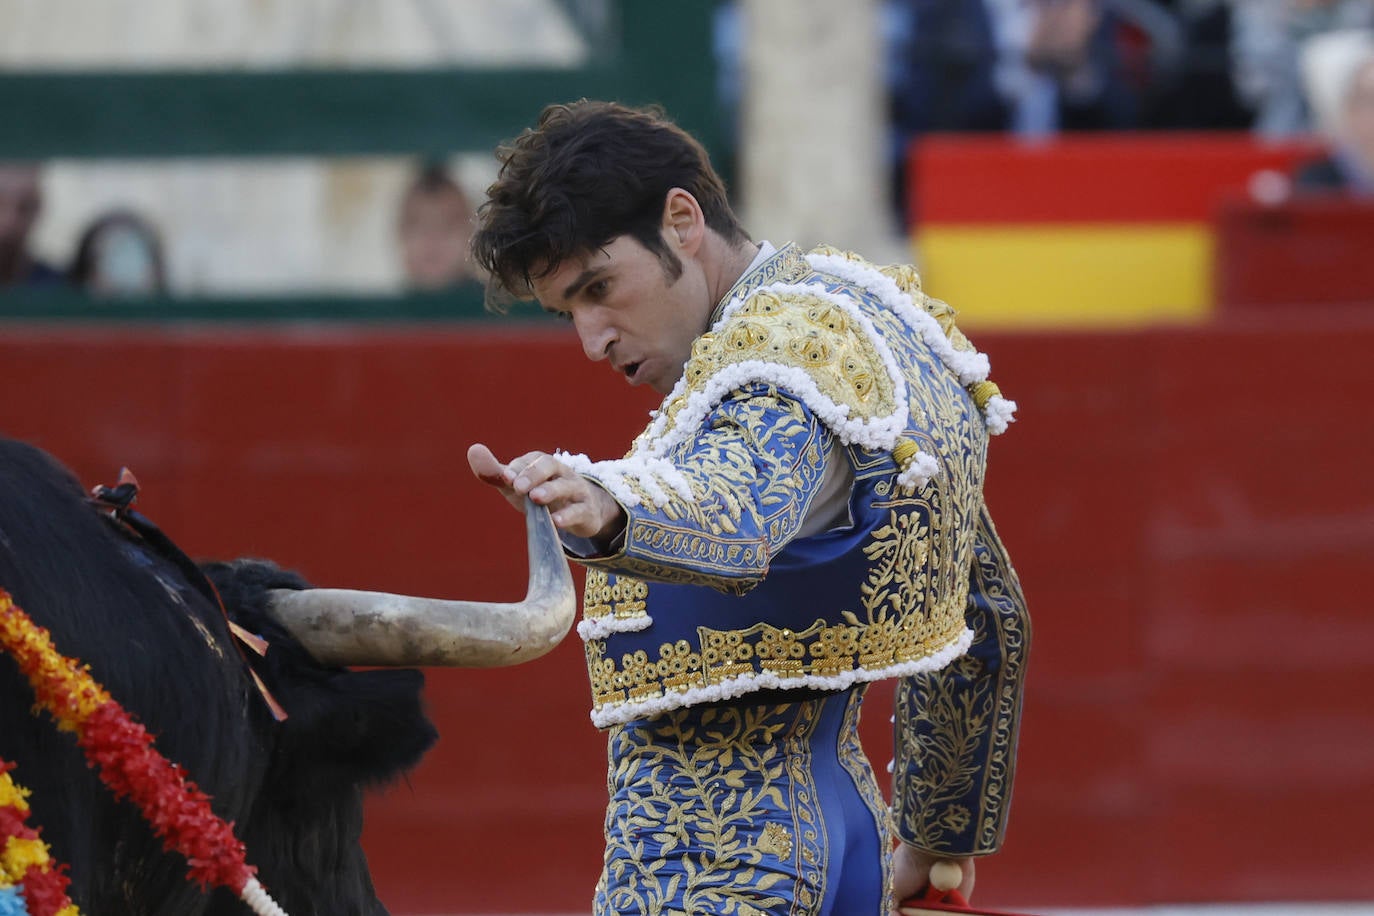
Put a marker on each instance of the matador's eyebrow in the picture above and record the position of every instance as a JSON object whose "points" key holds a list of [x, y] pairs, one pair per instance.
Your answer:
{"points": [[582, 280]]}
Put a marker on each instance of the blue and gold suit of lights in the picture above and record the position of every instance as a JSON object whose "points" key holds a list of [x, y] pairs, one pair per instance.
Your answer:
{"points": [[728, 657]]}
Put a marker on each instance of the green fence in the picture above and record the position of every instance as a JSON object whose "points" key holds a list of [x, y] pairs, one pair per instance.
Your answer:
{"points": [[644, 52]]}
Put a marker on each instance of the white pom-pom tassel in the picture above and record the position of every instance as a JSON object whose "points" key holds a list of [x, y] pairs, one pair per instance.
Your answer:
{"points": [[999, 414], [918, 472]]}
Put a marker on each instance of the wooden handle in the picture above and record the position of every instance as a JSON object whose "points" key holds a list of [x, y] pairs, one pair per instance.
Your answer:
{"points": [[946, 875]]}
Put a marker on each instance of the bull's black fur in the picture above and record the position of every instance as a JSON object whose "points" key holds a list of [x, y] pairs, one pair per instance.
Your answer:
{"points": [[293, 789]]}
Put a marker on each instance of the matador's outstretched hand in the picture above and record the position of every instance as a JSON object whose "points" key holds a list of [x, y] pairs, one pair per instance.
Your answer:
{"points": [[578, 505]]}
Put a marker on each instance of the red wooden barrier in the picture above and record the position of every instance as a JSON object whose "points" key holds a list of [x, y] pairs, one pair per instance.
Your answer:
{"points": [[1190, 511], [1303, 251]]}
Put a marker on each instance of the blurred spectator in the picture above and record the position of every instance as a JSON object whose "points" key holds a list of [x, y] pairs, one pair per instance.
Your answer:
{"points": [[1266, 38], [1338, 74], [1067, 71], [1031, 66], [119, 254], [434, 228], [1196, 90], [20, 202]]}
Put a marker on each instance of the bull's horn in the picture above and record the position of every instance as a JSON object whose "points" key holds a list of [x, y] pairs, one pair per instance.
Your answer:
{"points": [[344, 627]]}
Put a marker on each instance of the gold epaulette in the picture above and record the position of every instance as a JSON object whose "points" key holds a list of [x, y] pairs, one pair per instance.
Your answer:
{"points": [[795, 331]]}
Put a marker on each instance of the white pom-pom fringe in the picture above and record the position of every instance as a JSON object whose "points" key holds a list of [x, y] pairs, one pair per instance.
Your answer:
{"points": [[875, 433], [601, 627], [999, 413], [620, 476], [969, 365], [918, 472], [577, 462]]}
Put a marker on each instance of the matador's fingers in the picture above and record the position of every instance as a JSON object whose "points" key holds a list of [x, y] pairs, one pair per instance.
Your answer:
{"points": [[487, 468], [540, 470]]}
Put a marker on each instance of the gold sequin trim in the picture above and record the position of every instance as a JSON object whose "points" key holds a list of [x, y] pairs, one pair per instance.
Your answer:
{"points": [[623, 600], [821, 650]]}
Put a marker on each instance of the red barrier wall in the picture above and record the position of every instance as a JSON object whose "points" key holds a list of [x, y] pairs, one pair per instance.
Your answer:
{"points": [[1089, 178], [1190, 511]]}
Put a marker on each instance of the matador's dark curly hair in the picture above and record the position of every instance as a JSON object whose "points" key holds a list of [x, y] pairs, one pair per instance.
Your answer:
{"points": [[584, 175]]}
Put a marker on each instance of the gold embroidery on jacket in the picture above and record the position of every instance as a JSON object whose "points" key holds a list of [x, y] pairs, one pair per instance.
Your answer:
{"points": [[725, 794], [789, 265], [914, 595], [796, 330], [855, 762], [900, 623], [955, 796], [700, 540]]}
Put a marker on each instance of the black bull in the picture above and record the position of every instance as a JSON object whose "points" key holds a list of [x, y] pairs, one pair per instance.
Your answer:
{"points": [[292, 789]]}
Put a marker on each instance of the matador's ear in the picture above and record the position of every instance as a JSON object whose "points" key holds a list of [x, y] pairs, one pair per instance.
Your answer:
{"points": [[683, 222]]}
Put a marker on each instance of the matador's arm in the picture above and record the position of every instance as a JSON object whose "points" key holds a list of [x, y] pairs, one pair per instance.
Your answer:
{"points": [[715, 509], [956, 729]]}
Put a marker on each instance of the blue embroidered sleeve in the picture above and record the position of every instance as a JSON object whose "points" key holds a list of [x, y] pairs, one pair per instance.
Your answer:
{"points": [[956, 729], [718, 507]]}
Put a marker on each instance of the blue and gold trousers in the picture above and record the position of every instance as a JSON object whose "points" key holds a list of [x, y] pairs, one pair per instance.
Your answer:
{"points": [[752, 809]]}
